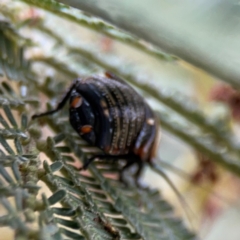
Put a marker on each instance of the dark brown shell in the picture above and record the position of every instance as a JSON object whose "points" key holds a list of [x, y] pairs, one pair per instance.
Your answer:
{"points": [[119, 121]]}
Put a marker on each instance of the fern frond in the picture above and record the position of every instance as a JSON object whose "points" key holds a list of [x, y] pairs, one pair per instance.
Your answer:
{"points": [[76, 206]]}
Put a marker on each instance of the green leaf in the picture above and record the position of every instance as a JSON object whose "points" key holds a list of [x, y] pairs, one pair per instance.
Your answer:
{"points": [[44, 155]]}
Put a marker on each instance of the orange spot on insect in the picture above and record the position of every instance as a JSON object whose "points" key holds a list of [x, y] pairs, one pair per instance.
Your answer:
{"points": [[86, 129], [76, 102], [108, 75]]}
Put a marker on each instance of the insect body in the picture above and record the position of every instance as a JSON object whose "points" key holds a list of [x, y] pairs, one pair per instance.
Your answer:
{"points": [[108, 113]]}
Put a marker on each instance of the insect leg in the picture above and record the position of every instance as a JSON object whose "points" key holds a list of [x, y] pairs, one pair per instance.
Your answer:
{"points": [[130, 162], [138, 173], [60, 105], [102, 156], [132, 159], [90, 160]]}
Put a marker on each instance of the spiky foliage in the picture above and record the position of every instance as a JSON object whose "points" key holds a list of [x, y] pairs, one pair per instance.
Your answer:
{"points": [[43, 195]]}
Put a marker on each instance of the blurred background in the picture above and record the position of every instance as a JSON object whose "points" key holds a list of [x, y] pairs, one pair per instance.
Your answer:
{"points": [[198, 46]]}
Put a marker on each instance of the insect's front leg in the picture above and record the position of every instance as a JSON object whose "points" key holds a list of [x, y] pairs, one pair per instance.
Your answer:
{"points": [[90, 160], [100, 156], [61, 103]]}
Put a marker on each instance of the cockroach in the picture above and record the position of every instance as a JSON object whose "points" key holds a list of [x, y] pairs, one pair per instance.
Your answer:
{"points": [[108, 113]]}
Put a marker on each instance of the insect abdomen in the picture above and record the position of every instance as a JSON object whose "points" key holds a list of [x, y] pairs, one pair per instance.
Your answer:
{"points": [[125, 122]]}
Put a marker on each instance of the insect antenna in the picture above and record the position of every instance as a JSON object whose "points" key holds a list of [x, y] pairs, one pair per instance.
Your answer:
{"points": [[187, 177], [187, 210]]}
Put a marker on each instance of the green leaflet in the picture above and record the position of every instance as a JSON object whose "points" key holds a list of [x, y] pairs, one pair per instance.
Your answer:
{"points": [[96, 207], [79, 206]]}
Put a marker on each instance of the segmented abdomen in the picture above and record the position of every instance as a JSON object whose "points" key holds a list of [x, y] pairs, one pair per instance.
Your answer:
{"points": [[125, 122]]}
